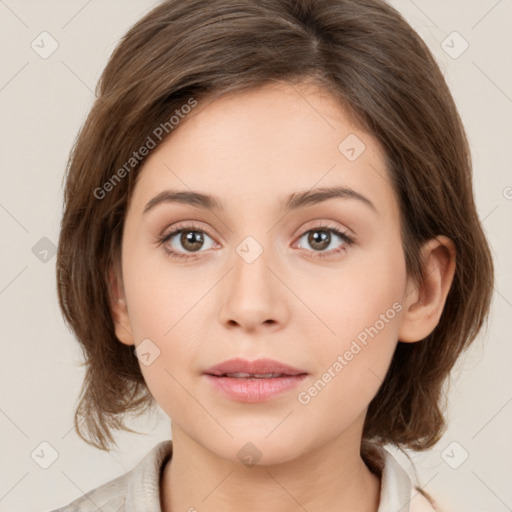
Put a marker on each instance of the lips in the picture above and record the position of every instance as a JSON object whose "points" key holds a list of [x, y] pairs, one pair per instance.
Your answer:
{"points": [[258, 369], [254, 381]]}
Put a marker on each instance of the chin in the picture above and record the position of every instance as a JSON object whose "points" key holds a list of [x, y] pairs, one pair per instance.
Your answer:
{"points": [[254, 450]]}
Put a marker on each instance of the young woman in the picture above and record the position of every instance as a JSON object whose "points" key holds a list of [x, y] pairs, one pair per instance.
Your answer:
{"points": [[269, 231]]}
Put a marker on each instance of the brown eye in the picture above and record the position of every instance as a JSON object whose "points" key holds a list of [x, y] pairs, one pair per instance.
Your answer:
{"points": [[191, 240], [319, 240]]}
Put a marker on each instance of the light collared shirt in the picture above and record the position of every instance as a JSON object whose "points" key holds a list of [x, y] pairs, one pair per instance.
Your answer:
{"points": [[138, 490]]}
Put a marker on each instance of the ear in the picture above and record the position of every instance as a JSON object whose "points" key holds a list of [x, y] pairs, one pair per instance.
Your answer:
{"points": [[119, 308], [424, 302]]}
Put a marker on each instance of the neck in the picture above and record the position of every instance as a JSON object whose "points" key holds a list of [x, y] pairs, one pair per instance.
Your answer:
{"points": [[331, 477]]}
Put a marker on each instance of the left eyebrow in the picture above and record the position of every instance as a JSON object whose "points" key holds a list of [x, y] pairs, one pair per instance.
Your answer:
{"points": [[293, 202], [318, 195]]}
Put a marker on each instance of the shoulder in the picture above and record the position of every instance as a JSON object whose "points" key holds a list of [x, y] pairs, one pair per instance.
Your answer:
{"points": [[109, 497], [138, 487], [397, 491], [419, 503]]}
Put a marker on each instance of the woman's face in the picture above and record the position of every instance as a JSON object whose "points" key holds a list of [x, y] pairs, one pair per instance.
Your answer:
{"points": [[262, 274]]}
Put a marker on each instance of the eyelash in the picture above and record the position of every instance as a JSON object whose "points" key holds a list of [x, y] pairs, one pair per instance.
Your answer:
{"points": [[192, 228]]}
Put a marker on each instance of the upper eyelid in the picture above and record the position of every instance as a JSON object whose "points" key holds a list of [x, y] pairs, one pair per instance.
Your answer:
{"points": [[185, 227], [319, 225]]}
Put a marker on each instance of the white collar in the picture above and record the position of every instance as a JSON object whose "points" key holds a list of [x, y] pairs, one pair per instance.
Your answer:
{"points": [[138, 490]]}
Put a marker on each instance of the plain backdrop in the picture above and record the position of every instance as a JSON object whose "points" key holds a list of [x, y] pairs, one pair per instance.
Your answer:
{"points": [[44, 100]]}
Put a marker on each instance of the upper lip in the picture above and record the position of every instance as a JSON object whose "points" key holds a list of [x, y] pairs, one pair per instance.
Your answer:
{"points": [[259, 366]]}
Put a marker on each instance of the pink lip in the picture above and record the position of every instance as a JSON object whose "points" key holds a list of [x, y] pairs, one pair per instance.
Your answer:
{"points": [[252, 389], [258, 366]]}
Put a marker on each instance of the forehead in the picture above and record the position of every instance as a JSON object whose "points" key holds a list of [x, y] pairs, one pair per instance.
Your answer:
{"points": [[263, 145]]}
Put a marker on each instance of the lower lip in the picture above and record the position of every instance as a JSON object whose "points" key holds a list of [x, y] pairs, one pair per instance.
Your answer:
{"points": [[254, 390]]}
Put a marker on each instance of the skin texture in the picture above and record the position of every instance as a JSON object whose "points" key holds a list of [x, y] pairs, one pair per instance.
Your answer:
{"points": [[251, 150]]}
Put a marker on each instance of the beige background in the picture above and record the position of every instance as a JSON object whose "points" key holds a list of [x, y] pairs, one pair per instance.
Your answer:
{"points": [[43, 103]]}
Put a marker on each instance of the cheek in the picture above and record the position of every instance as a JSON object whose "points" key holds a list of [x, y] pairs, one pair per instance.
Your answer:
{"points": [[353, 364], [163, 309], [359, 308], [348, 300], [173, 360], [160, 293]]}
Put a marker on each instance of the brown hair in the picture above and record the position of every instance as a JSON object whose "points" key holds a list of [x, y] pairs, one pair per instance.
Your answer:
{"points": [[372, 61]]}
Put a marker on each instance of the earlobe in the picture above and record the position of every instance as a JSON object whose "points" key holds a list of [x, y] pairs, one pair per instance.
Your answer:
{"points": [[119, 309], [424, 302]]}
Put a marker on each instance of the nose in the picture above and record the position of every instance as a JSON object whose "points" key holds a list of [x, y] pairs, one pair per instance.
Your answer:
{"points": [[254, 296]]}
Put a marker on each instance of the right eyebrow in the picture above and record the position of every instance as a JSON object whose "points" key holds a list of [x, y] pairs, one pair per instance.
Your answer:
{"points": [[198, 199]]}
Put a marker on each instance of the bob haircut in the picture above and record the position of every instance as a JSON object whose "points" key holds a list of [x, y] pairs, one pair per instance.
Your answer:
{"points": [[381, 72]]}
